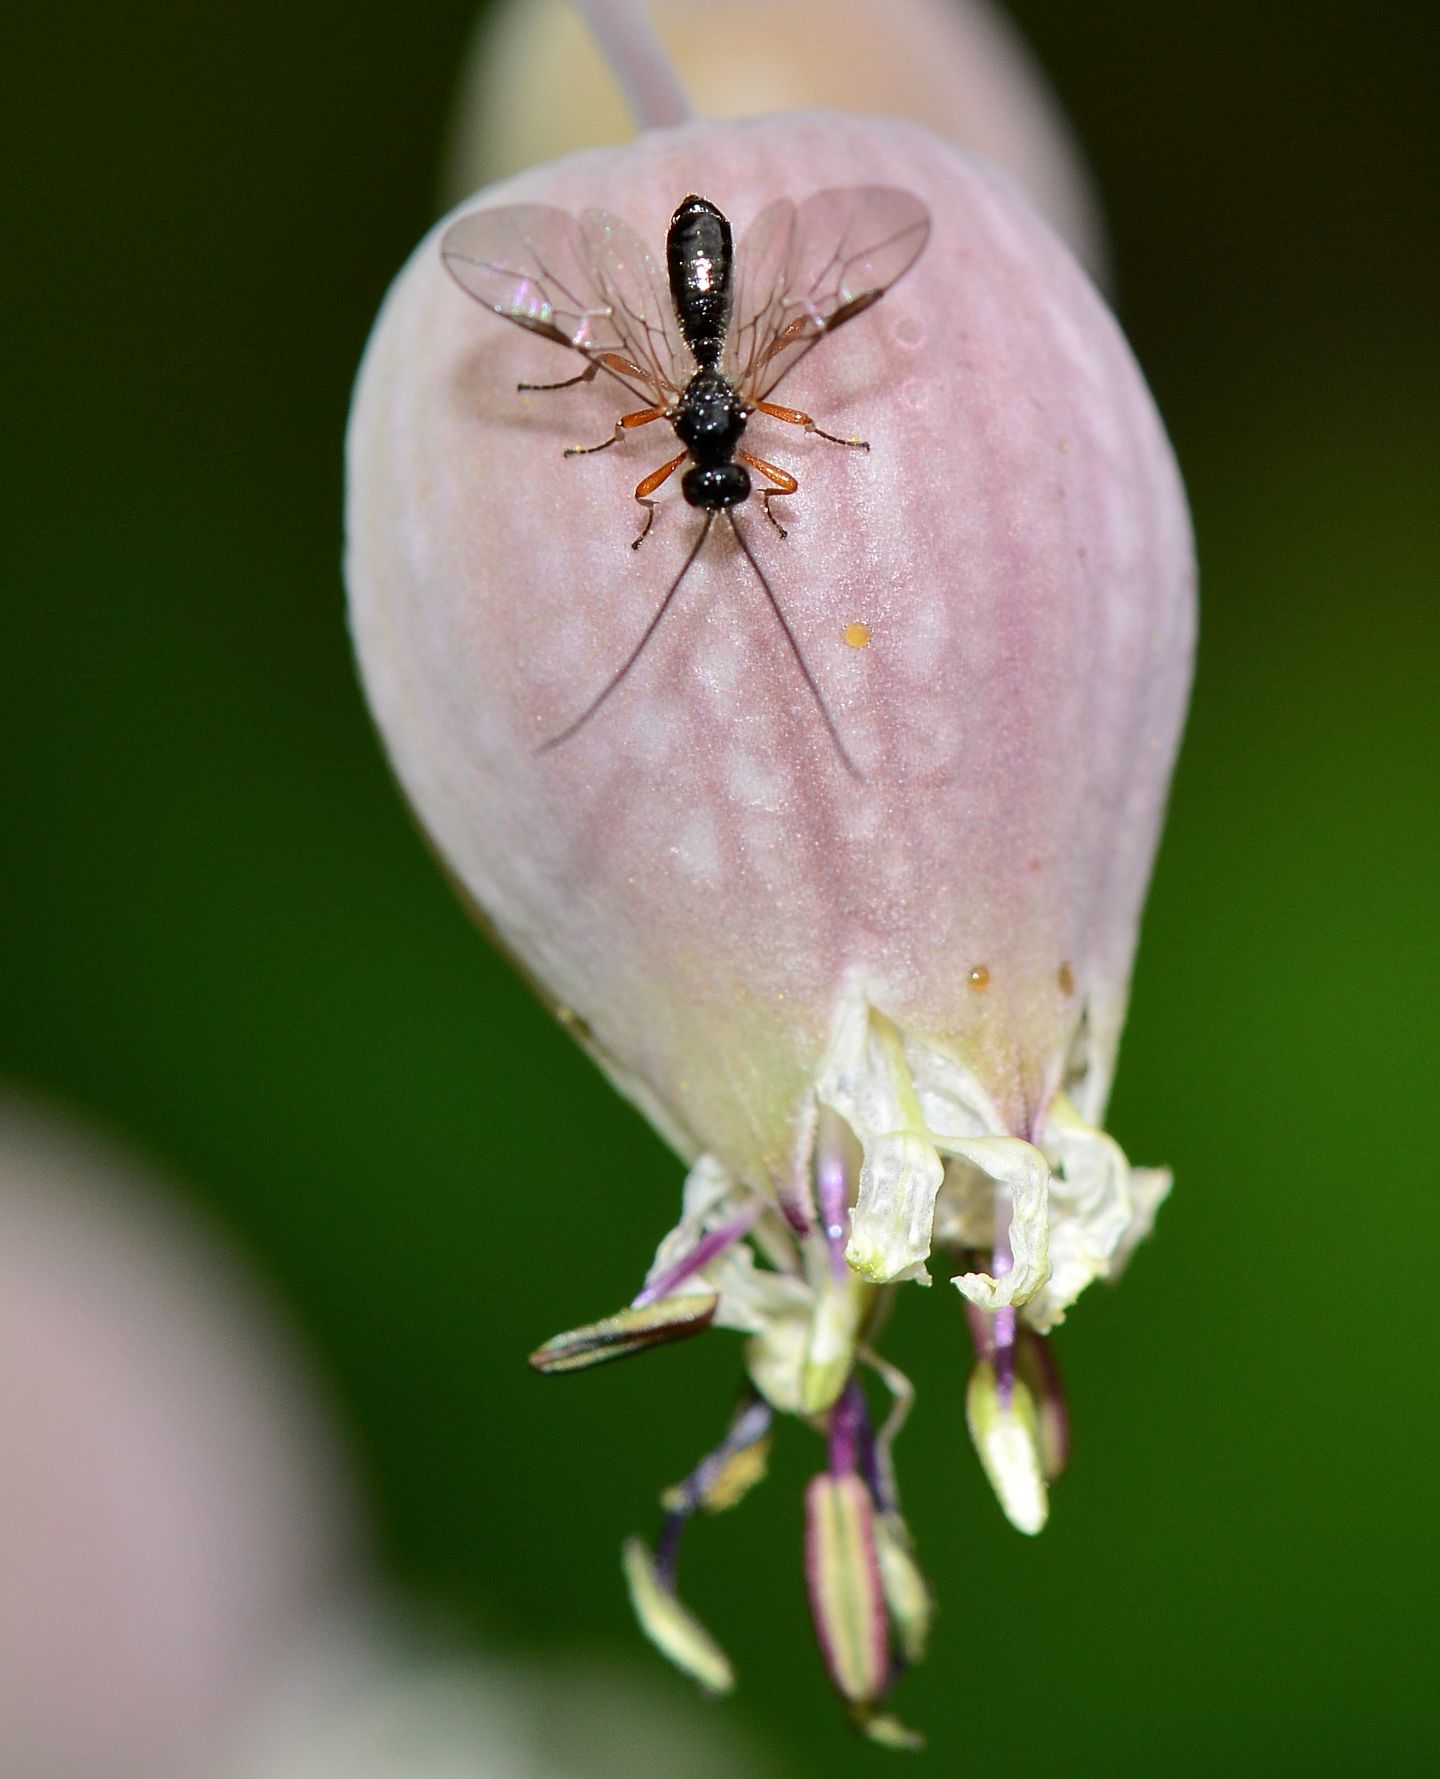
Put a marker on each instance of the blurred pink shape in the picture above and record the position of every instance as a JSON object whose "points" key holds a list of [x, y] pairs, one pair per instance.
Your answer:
{"points": [[536, 86], [181, 1596], [171, 1500]]}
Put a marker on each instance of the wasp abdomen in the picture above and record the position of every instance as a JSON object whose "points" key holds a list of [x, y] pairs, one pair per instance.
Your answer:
{"points": [[699, 254]]}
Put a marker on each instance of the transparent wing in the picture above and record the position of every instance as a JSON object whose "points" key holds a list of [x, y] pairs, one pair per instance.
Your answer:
{"points": [[806, 269], [761, 278], [637, 293], [586, 282]]}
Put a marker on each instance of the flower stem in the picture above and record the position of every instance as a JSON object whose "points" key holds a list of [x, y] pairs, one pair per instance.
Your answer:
{"points": [[1003, 1333], [833, 1188], [848, 1432], [712, 1483], [638, 60]]}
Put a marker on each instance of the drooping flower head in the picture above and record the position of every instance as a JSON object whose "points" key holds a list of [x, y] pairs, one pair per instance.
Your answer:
{"points": [[840, 881]]}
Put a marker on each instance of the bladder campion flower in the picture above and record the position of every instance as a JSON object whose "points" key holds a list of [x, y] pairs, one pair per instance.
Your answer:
{"points": [[876, 1012]]}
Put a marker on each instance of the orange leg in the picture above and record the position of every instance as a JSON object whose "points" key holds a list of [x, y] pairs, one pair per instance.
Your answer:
{"points": [[643, 490], [784, 482], [622, 367], [641, 417], [794, 417]]}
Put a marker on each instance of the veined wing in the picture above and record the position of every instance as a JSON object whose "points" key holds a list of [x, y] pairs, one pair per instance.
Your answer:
{"points": [[585, 282], [637, 293], [804, 270]]}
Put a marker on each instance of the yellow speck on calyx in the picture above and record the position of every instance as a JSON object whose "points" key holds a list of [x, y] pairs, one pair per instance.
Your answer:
{"points": [[980, 977], [1066, 979], [857, 635]]}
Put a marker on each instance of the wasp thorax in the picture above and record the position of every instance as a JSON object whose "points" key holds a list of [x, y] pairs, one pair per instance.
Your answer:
{"points": [[710, 417]]}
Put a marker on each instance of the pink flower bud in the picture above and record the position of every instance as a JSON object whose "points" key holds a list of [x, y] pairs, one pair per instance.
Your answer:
{"points": [[867, 858]]}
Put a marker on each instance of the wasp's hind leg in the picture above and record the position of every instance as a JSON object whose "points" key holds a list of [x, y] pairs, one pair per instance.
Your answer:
{"points": [[797, 417], [784, 482], [645, 489]]}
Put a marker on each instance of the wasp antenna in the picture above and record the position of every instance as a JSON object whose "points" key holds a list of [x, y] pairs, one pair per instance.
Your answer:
{"points": [[809, 677], [620, 673]]}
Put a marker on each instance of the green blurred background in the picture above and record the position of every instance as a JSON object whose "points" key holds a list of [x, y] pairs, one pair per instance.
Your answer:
{"points": [[220, 933]]}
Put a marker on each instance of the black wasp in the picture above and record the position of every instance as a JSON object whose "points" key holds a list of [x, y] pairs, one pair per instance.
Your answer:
{"points": [[705, 345]]}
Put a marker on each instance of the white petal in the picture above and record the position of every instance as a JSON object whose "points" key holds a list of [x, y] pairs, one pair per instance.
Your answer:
{"points": [[1019, 1169], [866, 1079], [1100, 1208], [1149, 1188]]}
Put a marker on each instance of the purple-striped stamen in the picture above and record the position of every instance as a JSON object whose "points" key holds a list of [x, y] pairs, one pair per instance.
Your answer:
{"points": [[718, 1480], [832, 1186], [712, 1243], [1002, 1336]]}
